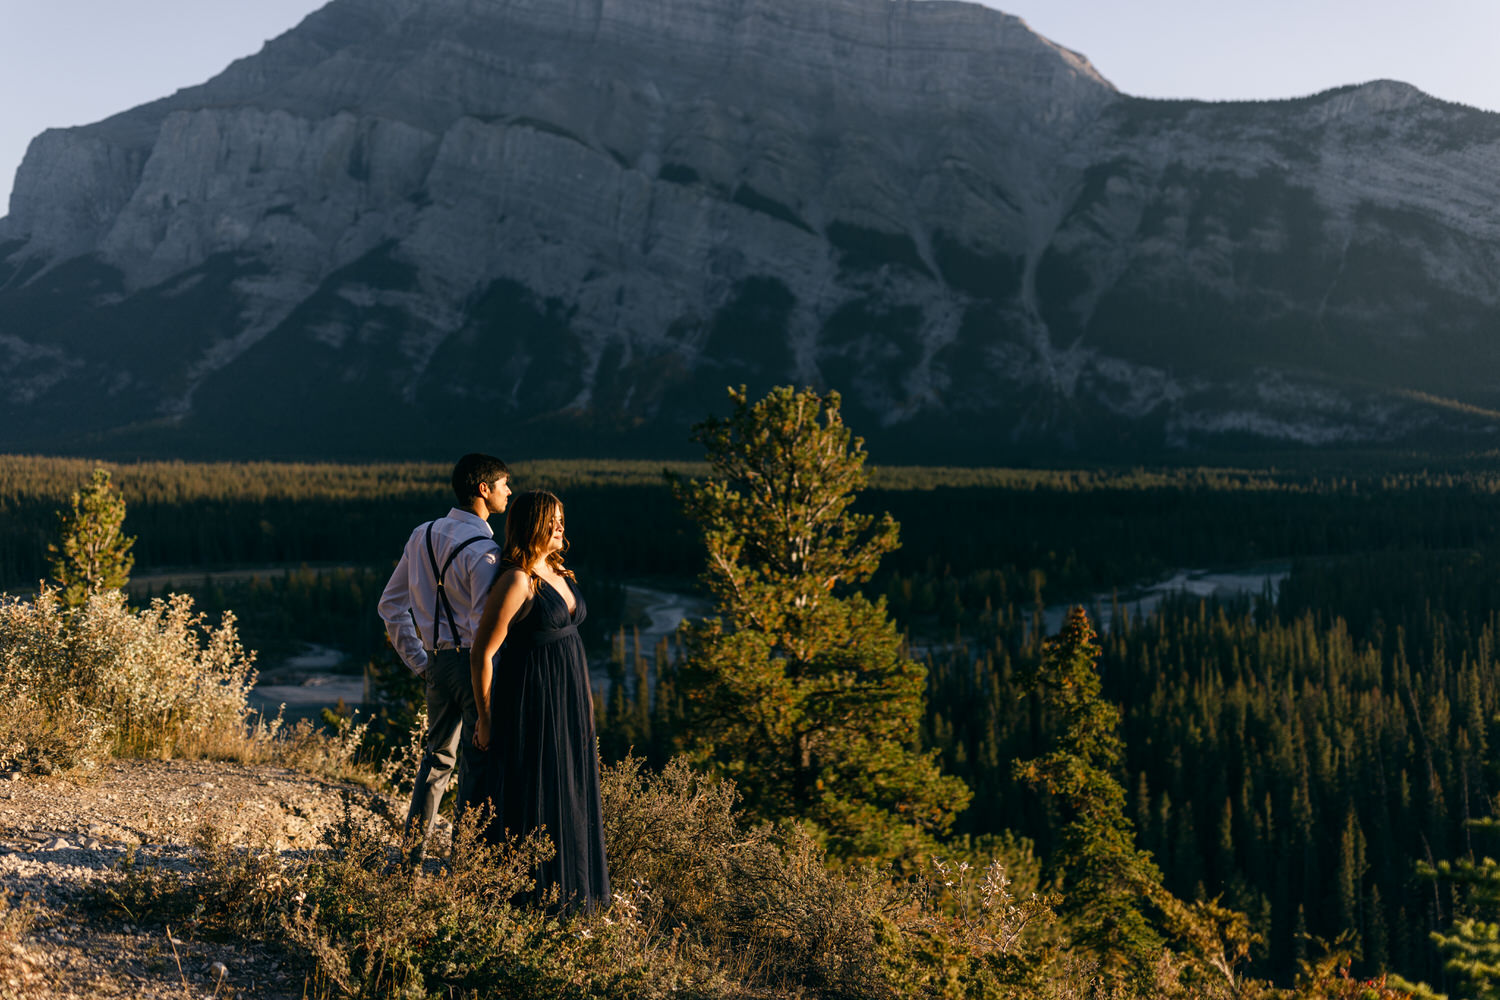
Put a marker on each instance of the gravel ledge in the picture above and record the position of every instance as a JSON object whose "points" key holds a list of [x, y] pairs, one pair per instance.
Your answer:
{"points": [[62, 837]]}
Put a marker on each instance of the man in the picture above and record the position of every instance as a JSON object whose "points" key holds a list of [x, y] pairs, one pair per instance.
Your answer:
{"points": [[430, 608]]}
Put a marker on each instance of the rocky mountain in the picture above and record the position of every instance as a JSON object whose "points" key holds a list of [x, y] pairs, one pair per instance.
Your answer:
{"points": [[563, 226]]}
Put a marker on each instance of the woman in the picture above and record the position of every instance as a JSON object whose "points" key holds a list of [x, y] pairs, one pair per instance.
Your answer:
{"points": [[539, 708]]}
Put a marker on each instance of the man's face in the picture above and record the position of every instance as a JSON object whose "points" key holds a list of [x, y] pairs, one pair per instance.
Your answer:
{"points": [[496, 494]]}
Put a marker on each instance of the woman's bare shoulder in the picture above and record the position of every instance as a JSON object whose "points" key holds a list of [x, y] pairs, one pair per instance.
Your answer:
{"points": [[513, 578]]}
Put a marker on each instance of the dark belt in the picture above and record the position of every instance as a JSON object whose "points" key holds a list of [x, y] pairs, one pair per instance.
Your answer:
{"points": [[554, 635]]}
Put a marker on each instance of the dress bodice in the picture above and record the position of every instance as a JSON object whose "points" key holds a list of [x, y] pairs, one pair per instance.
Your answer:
{"points": [[548, 619]]}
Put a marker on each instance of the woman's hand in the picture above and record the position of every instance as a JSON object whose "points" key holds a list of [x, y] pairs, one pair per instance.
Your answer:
{"points": [[482, 734]]}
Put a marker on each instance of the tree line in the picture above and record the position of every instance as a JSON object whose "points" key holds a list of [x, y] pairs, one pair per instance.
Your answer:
{"points": [[986, 532]]}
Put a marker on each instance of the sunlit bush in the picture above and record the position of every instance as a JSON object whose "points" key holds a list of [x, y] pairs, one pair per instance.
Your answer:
{"points": [[168, 682], [49, 720], [158, 681]]}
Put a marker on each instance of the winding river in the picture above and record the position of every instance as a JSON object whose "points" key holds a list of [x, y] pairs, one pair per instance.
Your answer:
{"points": [[309, 681]]}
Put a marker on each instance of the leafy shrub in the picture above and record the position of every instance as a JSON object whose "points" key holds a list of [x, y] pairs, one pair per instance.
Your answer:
{"points": [[168, 684], [667, 831], [47, 723], [374, 933], [103, 678], [764, 904]]}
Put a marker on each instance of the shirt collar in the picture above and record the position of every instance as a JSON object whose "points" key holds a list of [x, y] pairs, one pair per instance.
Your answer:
{"points": [[468, 516]]}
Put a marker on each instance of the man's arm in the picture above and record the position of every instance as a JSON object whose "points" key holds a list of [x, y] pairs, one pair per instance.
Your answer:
{"points": [[480, 564], [400, 627]]}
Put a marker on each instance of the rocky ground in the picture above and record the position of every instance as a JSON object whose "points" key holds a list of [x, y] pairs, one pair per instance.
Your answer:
{"points": [[63, 844]]}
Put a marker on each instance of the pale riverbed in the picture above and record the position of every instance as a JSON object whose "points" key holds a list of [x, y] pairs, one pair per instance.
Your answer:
{"points": [[1142, 602], [310, 681]]}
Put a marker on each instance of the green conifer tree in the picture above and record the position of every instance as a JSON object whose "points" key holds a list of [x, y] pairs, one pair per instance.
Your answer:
{"points": [[1349, 884], [801, 690], [1108, 884], [1471, 947], [92, 553]]}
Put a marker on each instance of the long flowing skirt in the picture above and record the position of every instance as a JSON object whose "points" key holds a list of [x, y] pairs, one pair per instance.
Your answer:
{"points": [[549, 765]]}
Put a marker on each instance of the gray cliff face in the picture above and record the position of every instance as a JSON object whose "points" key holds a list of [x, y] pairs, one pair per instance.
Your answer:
{"points": [[578, 221], [1302, 270]]}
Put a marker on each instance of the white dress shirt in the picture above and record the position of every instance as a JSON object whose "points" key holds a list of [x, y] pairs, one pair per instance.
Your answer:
{"points": [[410, 597]]}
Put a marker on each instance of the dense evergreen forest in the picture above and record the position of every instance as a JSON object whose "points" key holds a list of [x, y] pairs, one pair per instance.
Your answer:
{"points": [[1294, 754]]}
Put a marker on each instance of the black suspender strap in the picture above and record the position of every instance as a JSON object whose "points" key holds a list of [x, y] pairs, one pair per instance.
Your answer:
{"points": [[442, 604]]}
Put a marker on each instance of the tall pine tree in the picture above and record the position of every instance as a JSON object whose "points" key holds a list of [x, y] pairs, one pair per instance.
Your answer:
{"points": [[1110, 888], [800, 690]]}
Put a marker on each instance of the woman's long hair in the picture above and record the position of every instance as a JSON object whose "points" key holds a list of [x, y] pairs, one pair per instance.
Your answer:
{"points": [[528, 530]]}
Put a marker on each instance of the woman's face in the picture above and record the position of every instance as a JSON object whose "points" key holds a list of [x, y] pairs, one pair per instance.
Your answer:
{"points": [[555, 539]]}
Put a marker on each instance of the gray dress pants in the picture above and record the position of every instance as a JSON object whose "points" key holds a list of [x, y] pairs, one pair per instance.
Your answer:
{"points": [[450, 743]]}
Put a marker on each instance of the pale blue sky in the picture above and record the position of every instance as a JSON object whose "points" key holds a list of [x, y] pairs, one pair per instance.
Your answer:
{"points": [[1238, 49], [70, 62]]}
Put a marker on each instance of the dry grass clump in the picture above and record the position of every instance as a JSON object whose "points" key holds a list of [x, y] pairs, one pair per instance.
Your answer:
{"points": [[337, 752], [762, 901], [228, 892], [16, 919], [374, 934]]}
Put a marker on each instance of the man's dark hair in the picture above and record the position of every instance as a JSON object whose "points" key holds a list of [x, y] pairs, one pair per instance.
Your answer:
{"points": [[473, 469]]}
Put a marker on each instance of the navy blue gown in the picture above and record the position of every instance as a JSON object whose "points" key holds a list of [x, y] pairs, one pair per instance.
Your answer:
{"points": [[543, 712]]}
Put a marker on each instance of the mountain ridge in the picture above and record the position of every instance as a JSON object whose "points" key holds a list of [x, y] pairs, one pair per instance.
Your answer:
{"points": [[612, 210]]}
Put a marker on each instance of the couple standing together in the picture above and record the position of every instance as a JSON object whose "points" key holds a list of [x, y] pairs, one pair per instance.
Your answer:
{"points": [[493, 629]]}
